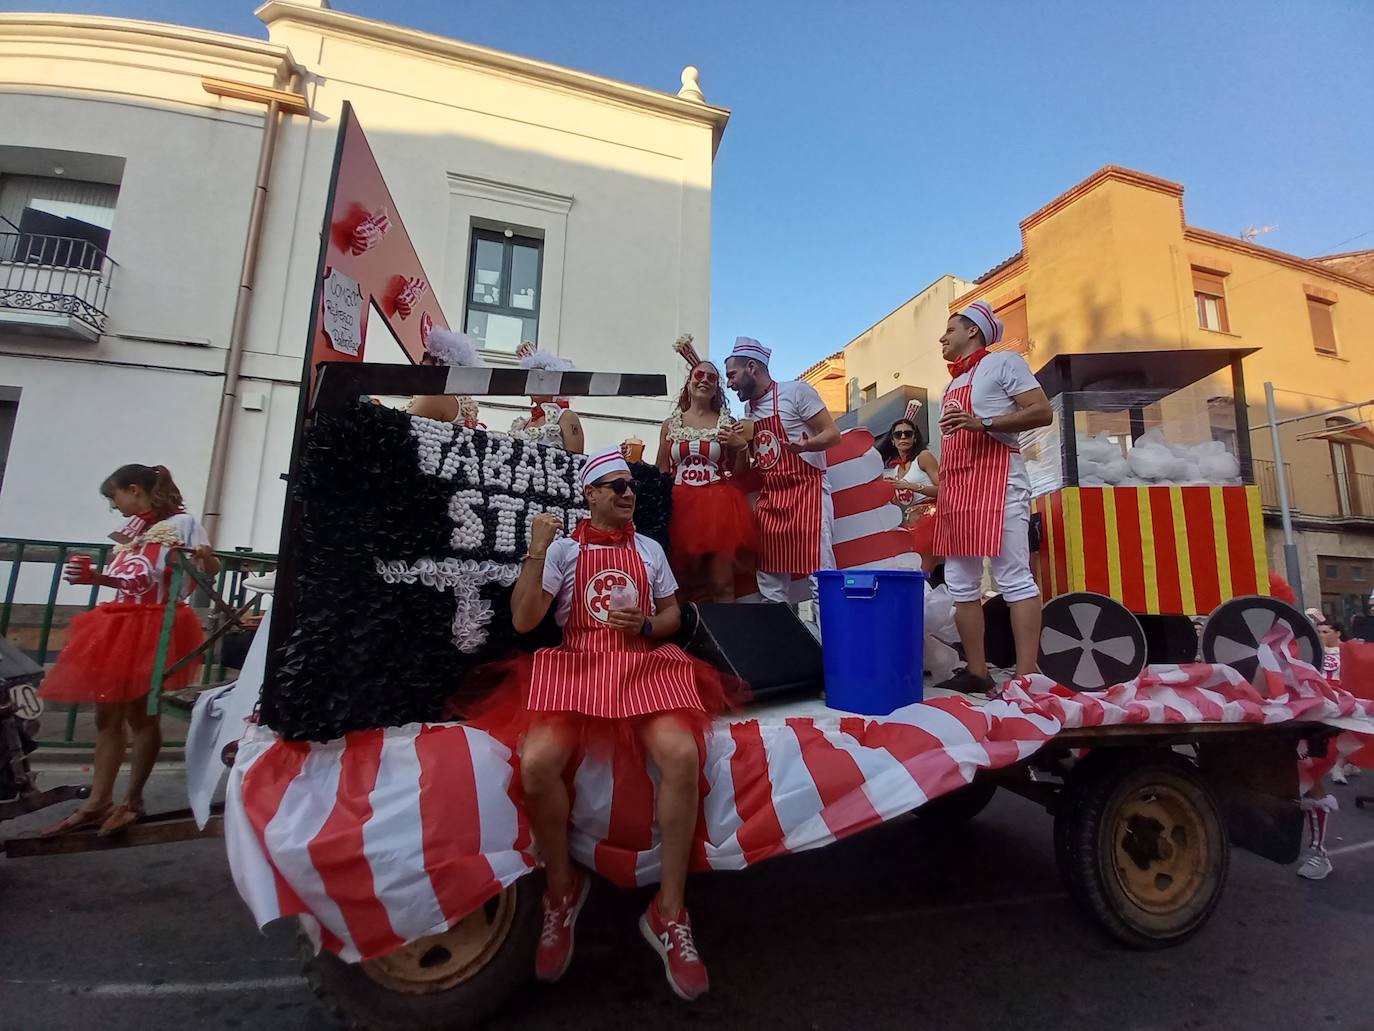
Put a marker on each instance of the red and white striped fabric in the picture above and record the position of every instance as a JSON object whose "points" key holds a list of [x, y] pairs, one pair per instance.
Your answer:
{"points": [[409, 296], [369, 232], [388, 835], [867, 532]]}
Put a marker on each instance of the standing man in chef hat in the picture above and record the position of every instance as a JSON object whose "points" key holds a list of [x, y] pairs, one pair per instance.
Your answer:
{"points": [[984, 510], [792, 429]]}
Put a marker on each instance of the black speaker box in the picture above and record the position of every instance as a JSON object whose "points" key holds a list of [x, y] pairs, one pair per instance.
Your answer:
{"points": [[764, 645]]}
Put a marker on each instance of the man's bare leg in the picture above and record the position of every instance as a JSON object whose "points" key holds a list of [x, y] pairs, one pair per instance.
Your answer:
{"points": [[1025, 628], [673, 750], [548, 748], [968, 617]]}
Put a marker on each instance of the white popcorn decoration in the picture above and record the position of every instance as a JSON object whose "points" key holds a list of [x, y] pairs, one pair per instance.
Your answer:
{"points": [[506, 508], [463, 455], [1152, 459], [496, 467], [468, 531], [432, 437]]}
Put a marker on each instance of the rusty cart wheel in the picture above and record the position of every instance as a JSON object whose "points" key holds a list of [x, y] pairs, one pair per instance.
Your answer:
{"points": [[445, 981], [1090, 641], [1142, 848]]}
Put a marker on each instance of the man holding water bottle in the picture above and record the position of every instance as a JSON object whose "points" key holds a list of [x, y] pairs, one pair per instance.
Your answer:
{"points": [[984, 508], [613, 680]]}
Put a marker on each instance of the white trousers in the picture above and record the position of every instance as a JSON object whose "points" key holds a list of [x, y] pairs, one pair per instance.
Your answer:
{"points": [[1010, 569]]}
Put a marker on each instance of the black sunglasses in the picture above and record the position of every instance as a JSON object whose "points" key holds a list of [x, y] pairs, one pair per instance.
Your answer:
{"points": [[618, 487], [903, 433]]}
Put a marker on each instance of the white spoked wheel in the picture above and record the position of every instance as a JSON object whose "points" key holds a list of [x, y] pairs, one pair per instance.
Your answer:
{"points": [[1241, 628], [1090, 641]]}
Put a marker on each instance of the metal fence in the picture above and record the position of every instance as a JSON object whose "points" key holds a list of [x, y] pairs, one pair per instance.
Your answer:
{"points": [[223, 604], [1267, 478], [55, 274]]}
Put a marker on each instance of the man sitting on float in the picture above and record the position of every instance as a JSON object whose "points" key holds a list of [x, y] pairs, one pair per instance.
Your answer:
{"points": [[615, 684]]}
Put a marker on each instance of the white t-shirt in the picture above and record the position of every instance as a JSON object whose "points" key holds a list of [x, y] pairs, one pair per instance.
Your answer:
{"points": [[797, 402], [996, 380], [560, 572]]}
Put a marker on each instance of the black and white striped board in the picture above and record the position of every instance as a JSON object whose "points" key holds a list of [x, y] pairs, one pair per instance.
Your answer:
{"points": [[343, 382]]}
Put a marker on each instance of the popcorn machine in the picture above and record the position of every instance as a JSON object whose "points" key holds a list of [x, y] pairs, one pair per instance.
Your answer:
{"points": [[1146, 493]]}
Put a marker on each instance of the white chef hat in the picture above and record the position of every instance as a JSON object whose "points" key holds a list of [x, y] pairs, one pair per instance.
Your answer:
{"points": [[750, 349], [980, 314], [602, 464]]}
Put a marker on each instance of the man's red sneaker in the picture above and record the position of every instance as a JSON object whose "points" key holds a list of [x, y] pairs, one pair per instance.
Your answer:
{"points": [[672, 940], [555, 949]]}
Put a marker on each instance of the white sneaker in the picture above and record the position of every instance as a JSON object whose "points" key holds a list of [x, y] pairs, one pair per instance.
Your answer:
{"points": [[1316, 866], [1338, 774]]}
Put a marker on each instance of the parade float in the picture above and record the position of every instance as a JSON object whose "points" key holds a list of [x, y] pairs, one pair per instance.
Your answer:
{"points": [[361, 804]]}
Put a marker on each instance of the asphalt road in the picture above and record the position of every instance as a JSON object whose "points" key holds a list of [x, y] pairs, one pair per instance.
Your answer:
{"points": [[894, 929]]}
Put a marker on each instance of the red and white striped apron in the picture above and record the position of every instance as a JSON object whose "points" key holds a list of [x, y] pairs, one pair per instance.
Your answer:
{"points": [[598, 671], [974, 468], [789, 507]]}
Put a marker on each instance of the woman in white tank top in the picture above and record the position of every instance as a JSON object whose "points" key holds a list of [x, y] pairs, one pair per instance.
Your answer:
{"points": [[711, 528]]}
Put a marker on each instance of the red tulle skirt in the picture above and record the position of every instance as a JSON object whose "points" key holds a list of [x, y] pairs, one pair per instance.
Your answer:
{"points": [[922, 532], [504, 713], [111, 650], [711, 520]]}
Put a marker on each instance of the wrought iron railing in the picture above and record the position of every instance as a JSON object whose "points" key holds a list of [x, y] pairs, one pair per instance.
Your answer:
{"points": [[1354, 494], [1267, 479], [223, 602], [58, 275]]}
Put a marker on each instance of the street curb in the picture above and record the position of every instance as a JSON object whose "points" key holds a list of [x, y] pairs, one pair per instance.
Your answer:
{"points": [[59, 756]]}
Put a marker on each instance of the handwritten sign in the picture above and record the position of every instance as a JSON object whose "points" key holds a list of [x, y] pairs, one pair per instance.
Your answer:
{"points": [[343, 312]]}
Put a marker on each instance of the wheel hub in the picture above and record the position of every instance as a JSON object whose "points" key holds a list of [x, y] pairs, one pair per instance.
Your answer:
{"points": [[438, 962], [1161, 854]]}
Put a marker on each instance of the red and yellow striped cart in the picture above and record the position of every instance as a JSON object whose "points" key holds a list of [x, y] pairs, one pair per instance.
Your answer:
{"points": [[1150, 517]]}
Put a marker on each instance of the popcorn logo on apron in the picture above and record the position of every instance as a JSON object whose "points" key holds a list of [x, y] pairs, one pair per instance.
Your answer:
{"points": [[766, 449], [603, 586], [952, 404]]}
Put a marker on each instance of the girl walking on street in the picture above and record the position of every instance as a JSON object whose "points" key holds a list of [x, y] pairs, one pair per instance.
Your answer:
{"points": [[109, 657]]}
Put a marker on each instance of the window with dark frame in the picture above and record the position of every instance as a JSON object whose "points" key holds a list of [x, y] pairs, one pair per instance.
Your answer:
{"points": [[1319, 313], [503, 289], [1209, 292]]}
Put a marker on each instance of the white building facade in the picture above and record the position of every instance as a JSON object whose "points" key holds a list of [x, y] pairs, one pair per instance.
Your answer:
{"points": [[544, 203]]}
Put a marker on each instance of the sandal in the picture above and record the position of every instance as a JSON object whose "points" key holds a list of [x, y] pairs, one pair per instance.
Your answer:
{"points": [[121, 817], [82, 819]]}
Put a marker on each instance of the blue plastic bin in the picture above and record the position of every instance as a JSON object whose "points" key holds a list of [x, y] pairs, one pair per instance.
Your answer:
{"points": [[872, 638]]}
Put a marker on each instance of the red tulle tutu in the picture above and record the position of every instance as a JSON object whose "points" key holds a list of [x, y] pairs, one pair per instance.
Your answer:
{"points": [[711, 520], [923, 534], [111, 649], [504, 714]]}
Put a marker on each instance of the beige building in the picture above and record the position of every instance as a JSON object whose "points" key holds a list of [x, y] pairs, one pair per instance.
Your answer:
{"points": [[1112, 264], [141, 143]]}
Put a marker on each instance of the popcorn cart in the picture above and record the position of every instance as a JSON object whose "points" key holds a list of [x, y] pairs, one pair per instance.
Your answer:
{"points": [[1151, 518]]}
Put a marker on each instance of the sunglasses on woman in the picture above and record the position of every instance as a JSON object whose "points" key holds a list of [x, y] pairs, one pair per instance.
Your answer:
{"points": [[704, 375], [900, 434], [618, 487]]}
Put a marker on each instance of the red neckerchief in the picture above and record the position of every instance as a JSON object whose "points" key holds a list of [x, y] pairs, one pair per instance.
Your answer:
{"points": [[537, 410], [966, 363], [586, 533]]}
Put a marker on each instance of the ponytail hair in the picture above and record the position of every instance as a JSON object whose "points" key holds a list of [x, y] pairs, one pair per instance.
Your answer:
{"points": [[155, 480]]}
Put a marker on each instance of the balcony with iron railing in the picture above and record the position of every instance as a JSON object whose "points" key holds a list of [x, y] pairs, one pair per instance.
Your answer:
{"points": [[54, 285], [1354, 495], [1266, 477]]}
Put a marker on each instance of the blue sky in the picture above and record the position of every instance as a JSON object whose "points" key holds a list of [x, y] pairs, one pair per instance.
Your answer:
{"points": [[877, 145]]}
